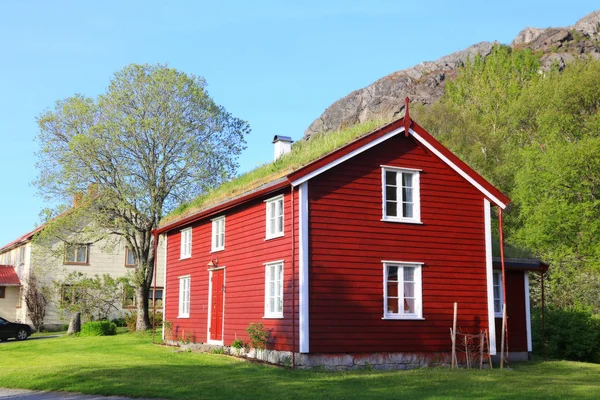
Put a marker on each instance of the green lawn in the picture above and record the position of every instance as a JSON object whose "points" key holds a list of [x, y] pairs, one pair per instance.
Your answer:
{"points": [[129, 365]]}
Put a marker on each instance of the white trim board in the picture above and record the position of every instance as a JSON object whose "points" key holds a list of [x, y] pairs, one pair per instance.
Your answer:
{"points": [[527, 312], [489, 267], [303, 268]]}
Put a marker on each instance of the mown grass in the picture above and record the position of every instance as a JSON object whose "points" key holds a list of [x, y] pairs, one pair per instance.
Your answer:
{"points": [[129, 365], [303, 152]]}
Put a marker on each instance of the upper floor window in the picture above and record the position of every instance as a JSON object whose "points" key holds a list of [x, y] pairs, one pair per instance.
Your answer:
{"points": [[497, 293], [274, 217], [186, 243], [218, 234], [274, 290], [402, 297], [76, 254], [21, 255], [401, 194], [129, 257]]}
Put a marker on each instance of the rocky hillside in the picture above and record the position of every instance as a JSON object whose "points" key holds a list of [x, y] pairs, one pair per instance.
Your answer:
{"points": [[425, 82]]}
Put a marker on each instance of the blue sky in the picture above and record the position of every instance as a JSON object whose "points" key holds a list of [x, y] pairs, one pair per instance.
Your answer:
{"points": [[276, 64]]}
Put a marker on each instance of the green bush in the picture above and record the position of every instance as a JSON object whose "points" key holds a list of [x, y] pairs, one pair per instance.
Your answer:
{"points": [[569, 335], [259, 336], [98, 328], [119, 322], [237, 344]]}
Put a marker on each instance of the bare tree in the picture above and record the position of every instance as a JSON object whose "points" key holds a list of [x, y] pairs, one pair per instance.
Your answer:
{"points": [[36, 300]]}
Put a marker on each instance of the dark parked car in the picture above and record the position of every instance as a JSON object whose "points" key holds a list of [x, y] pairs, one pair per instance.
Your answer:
{"points": [[14, 330]]}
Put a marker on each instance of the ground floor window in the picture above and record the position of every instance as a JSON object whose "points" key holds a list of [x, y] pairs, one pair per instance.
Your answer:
{"points": [[130, 299], [2, 292], [402, 290], [20, 298], [498, 293], [184, 297], [274, 289]]}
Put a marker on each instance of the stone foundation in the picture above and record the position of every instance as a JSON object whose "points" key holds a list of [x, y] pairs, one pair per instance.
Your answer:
{"points": [[379, 361]]}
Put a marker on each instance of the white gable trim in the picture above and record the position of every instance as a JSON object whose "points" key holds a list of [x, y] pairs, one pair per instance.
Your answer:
{"points": [[420, 139], [489, 267], [303, 272], [457, 169], [347, 156]]}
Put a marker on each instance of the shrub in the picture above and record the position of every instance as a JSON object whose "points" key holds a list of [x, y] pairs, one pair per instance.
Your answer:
{"points": [[119, 322], [569, 335], [259, 336], [237, 344], [131, 321], [98, 328]]}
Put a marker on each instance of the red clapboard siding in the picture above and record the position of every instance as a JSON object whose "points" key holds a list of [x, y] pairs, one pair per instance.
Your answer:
{"points": [[246, 251], [348, 240], [515, 311]]}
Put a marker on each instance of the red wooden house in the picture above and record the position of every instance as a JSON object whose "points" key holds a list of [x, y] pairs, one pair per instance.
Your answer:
{"points": [[356, 256]]}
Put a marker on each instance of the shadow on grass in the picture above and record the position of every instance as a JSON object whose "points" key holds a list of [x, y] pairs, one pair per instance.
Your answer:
{"points": [[217, 377]]}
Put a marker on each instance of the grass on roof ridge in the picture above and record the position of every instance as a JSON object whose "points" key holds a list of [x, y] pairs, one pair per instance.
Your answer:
{"points": [[303, 152]]}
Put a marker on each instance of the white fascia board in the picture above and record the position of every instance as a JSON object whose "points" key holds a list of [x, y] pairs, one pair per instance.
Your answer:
{"points": [[303, 270], [489, 267], [527, 312], [347, 156], [457, 169]]}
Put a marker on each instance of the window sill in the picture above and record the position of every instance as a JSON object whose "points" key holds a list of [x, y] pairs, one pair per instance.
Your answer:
{"points": [[273, 317], [185, 257], [401, 317], [131, 265], [402, 221], [217, 250], [73, 263], [498, 315], [183, 316], [274, 236]]}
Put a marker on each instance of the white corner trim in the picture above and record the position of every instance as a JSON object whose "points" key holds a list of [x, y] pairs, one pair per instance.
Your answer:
{"points": [[164, 285], [457, 169], [347, 156], [489, 267], [303, 268], [527, 312]]}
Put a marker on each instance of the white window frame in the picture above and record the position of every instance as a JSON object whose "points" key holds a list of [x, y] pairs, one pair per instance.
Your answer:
{"points": [[21, 255], [418, 277], [270, 203], [416, 186], [279, 293], [500, 298], [186, 243], [216, 223], [184, 296]]}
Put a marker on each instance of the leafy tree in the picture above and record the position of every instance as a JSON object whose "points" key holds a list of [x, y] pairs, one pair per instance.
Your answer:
{"points": [[154, 139], [96, 297]]}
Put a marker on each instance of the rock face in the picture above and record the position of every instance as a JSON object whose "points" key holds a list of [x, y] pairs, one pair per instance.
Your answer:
{"points": [[425, 83]]}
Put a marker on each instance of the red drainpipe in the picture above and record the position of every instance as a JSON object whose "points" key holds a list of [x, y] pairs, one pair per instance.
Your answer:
{"points": [[503, 274], [293, 282]]}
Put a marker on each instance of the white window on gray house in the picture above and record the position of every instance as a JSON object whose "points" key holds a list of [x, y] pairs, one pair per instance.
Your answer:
{"points": [[274, 290], [497, 285], [184, 297], [76, 254], [401, 194], [274, 217], [186, 243], [402, 298], [21, 255], [218, 234]]}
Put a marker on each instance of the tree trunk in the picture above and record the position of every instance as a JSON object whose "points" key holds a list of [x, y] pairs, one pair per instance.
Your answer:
{"points": [[75, 324], [143, 320]]}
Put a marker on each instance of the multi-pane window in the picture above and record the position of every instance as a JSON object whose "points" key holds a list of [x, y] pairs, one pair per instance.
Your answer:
{"points": [[402, 290], [71, 295], [158, 300], [129, 257], [130, 299], [76, 254], [2, 292], [184, 297], [497, 287], [186, 243], [218, 234], [274, 217], [21, 255], [274, 290], [401, 195]]}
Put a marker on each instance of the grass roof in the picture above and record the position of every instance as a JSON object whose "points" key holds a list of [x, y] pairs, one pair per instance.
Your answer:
{"points": [[303, 152]]}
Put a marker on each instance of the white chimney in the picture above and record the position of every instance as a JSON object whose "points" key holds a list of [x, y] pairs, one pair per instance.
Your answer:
{"points": [[283, 145]]}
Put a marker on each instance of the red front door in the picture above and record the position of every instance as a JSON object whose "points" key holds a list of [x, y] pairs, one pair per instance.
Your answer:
{"points": [[216, 312]]}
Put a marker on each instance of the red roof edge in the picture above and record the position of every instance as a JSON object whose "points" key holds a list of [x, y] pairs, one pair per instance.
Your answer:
{"points": [[8, 276], [26, 237]]}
